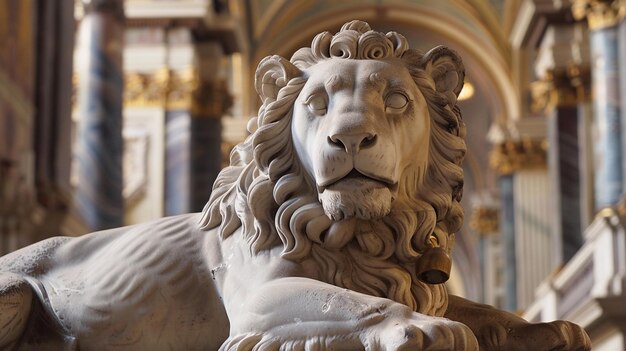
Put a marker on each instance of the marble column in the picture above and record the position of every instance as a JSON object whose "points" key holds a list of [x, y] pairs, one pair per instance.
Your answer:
{"points": [[507, 230], [210, 100], [604, 19], [622, 72], [99, 139], [177, 166], [193, 135], [564, 110], [525, 218], [485, 221]]}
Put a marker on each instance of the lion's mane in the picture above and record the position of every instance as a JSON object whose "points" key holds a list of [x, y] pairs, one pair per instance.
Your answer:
{"points": [[267, 194]]}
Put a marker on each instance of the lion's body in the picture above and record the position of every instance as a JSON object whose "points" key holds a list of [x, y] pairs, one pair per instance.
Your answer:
{"points": [[157, 277]]}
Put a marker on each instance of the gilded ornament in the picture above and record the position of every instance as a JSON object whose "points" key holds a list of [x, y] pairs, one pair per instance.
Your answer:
{"points": [[599, 13], [511, 156], [558, 88], [485, 220]]}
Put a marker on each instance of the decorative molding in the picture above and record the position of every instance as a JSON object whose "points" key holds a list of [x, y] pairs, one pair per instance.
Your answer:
{"points": [[179, 88], [147, 90], [485, 220], [176, 90], [599, 13], [511, 156]]}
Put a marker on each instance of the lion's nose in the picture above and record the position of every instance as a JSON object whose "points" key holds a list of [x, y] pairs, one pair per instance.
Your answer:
{"points": [[352, 143]]}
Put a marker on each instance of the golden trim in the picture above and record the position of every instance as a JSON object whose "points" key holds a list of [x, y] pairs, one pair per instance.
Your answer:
{"points": [[512, 156], [564, 87], [485, 220], [600, 14], [175, 90]]}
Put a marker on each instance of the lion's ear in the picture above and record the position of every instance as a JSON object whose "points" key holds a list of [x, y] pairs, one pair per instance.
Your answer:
{"points": [[446, 68], [272, 74]]}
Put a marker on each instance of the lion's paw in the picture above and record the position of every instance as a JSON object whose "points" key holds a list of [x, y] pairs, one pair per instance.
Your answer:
{"points": [[553, 336], [420, 333]]}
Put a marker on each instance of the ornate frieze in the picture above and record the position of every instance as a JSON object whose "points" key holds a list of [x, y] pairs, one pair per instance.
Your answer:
{"points": [[146, 89], [510, 156], [177, 90], [599, 13]]}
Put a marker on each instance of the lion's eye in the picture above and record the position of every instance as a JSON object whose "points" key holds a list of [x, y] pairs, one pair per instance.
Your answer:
{"points": [[317, 104], [396, 102]]}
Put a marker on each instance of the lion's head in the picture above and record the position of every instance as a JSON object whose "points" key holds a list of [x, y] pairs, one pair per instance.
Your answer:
{"points": [[353, 161]]}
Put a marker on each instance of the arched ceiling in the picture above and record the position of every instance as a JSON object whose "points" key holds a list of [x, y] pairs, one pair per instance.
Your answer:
{"points": [[472, 27]]}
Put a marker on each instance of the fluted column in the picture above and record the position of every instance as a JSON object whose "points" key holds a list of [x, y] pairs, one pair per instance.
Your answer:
{"points": [[604, 18], [525, 218], [560, 95], [210, 100], [99, 139]]}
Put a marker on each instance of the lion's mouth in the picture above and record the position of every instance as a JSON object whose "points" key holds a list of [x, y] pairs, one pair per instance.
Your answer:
{"points": [[357, 178]]}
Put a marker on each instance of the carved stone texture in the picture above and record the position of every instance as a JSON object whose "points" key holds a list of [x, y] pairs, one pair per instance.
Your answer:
{"points": [[311, 237]]}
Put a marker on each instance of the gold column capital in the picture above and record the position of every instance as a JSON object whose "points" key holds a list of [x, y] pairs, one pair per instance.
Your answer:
{"points": [[177, 90], [563, 87], [599, 13], [485, 220], [514, 155], [146, 90], [210, 99]]}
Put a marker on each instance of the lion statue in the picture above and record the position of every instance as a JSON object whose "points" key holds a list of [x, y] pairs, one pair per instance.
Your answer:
{"points": [[314, 238]]}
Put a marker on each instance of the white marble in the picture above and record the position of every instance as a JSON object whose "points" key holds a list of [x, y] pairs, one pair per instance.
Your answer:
{"points": [[328, 231]]}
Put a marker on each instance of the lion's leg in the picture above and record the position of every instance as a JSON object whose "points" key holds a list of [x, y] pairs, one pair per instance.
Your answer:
{"points": [[15, 303], [500, 330], [303, 314], [398, 328]]}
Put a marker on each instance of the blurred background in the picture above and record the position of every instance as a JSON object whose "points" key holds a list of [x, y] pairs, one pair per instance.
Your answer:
{"points": [[114, 112]]}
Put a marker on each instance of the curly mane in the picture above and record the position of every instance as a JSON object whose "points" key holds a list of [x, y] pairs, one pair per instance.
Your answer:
{"points": [[267, 194]]}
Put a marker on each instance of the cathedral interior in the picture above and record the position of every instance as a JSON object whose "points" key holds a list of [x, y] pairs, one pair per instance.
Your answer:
{"points": [[115, 112]]}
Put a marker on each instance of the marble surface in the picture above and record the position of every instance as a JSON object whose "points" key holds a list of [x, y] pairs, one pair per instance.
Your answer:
{"points": [[349, 180]]}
